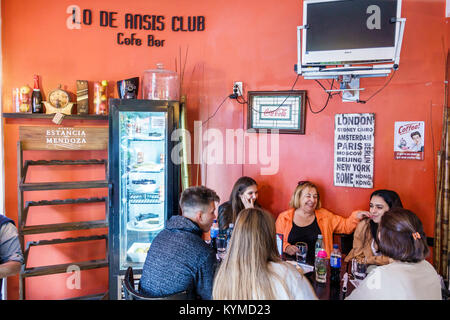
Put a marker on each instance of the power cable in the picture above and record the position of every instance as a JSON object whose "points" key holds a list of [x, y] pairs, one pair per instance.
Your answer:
{"points": [[378, 91], [215, 111], [330, 96], [289, 94]]}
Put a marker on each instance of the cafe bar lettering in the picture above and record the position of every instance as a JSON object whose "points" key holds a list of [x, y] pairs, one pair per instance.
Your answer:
{"points": [[84, 17]]}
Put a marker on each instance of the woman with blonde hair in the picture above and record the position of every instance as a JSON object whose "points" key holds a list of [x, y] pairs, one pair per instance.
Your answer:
{"points": [[252, 268], [306, 219]]}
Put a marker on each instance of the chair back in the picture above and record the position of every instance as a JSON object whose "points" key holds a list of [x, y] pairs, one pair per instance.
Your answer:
{"points": [[132, 294], [346, 242]]}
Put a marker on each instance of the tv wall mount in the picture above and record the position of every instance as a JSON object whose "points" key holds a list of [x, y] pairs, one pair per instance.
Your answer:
{"points": [[349, 75]]}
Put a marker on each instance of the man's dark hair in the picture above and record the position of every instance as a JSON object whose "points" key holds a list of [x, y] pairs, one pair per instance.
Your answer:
{"points": [[416, 133], [197, 198], [402, 237]]}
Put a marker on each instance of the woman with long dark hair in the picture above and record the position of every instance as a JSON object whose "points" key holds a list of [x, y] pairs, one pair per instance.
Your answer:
{"points": [[365, 243], [243, 195]]}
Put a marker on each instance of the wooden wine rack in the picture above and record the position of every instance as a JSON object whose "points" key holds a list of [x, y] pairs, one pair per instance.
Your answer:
{"points": [[24, 207]]}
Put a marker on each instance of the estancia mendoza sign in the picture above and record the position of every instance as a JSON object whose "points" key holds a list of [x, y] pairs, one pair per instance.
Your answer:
{"points": [[64, 138]]}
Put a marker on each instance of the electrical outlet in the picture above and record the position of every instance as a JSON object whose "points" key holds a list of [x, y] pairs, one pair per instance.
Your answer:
{"points": [[238, 86]]}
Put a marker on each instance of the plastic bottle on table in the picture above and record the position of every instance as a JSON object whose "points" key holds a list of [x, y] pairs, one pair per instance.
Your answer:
{"points": [[320, 266], [335, 266], [319, 245], [214, 233]]}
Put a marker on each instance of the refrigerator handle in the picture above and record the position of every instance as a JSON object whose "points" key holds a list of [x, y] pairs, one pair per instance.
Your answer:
{"points": [[110, 198]]}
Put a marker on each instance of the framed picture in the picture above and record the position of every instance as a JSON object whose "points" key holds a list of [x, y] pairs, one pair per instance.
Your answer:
{"points": [[283, 110]]}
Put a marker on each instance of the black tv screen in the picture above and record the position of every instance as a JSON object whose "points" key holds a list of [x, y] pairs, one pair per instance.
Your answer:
{"points": [[341, 25]]}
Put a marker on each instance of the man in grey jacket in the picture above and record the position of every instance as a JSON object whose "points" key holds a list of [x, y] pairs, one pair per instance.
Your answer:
{"points": [[11, 257], [178, 258]]}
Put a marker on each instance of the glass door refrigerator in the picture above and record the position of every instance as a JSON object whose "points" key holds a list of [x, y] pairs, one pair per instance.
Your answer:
{"points": [[143, 182]]}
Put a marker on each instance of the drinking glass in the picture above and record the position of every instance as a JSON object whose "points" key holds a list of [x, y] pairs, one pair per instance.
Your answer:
{"points": [[221, 243], [16, 100], [359, 268], [302, 252]]}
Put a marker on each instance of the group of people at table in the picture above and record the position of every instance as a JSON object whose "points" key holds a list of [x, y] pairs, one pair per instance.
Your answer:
{"points": [[387, 237]]}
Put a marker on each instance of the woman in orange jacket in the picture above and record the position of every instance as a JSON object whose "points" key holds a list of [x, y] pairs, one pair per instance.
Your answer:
{"points": [[305, 220]]}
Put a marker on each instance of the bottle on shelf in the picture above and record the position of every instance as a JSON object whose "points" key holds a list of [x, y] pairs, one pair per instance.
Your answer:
{"points": [[214, 234], [101, 97], [320, 266], [319, 245], [16, 100], [335, 266], [36, 97], [25, 99]]}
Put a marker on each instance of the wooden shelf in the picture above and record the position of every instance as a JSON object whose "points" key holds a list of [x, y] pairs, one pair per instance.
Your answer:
{"points": [[98, 296], [35, 186], [18, 115], [61, 202], [24, 207], [69, 226], [62, 268], [66, 240]]}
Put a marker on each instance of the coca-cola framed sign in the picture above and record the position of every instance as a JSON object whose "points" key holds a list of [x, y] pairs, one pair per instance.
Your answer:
{"points": [[281, 110]]}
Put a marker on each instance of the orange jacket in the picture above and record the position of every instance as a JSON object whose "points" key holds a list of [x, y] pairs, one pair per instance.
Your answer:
{"points": [[327, 221]]}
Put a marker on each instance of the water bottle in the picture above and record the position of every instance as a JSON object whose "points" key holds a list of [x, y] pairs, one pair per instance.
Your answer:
{"points": [[320, 266], [229, 233], [335, 266], [319, 245], [214, 234]]}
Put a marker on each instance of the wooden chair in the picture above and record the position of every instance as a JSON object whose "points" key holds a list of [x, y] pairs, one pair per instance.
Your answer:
{"points": [[132, 294], [345, 241]]}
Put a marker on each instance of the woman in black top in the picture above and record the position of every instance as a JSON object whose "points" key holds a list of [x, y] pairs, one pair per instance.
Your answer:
{"points": [[243, 195], [307, 234]]}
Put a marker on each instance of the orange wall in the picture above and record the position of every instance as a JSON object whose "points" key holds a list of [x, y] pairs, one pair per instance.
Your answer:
{"points": [[250, 41]]}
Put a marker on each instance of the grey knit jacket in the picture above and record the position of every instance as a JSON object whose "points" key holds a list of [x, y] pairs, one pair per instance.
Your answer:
{"points": [[178, 260]]}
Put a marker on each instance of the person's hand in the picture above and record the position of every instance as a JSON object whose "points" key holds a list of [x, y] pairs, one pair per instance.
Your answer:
{"points": [[248, 203], [291, 250], [363, 214]]}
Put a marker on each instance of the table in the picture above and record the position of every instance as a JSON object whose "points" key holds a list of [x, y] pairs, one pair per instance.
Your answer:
{"points": [[326, 291]]}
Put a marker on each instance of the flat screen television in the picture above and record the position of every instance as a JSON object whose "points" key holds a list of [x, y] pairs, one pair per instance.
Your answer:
{"points": [[339, 32]]}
